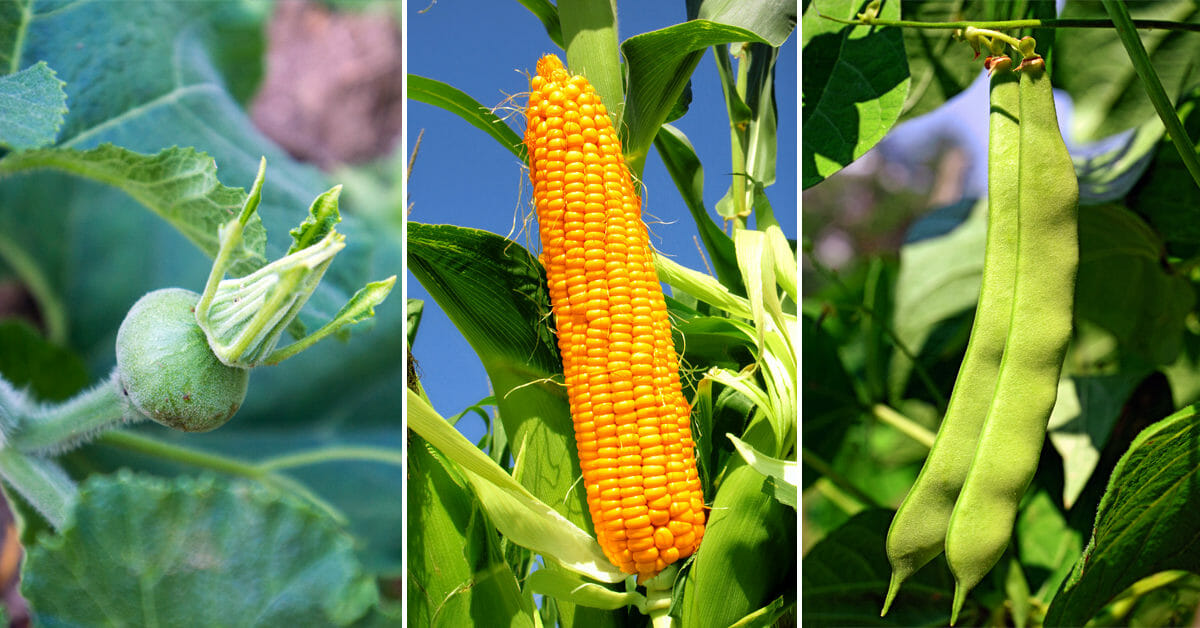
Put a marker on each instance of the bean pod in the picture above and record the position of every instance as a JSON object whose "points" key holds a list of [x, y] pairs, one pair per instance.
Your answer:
{"points": [[918, 531], [1010, 443]]}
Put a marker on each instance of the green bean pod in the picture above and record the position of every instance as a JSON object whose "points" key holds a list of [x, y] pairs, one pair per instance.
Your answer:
{"points": [[918, 531], [1010, 443]]}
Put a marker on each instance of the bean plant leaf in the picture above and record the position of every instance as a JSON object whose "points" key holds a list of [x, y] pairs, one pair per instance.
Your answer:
{"points": [[1146, 521], [1092, 65], [194, 551], [1108, 169], [1083, 417], [1169, 207], [153, 79], [32, 106], [845, 577], [941, 65], [1147, 317], [941, 267], [854, 86], [1046, 543]]}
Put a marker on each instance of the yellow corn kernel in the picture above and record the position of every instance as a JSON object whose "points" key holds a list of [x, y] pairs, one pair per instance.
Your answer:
{"points": [[632, 422]]}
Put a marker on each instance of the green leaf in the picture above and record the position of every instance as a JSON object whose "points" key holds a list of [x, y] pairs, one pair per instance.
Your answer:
{"points": [[830, 404], [681, 162], [323, 216], [548, 14], [1083, 418], [1170, 208], [32, 106], [1092, 65], [1147, 315], [194, 550], [518, 515], [846, 575], [571, 588], [941, 66], [854, 89], [747, 531], [660, 63], [455, 101], [1046, 542], [50, 372], [178, 184], [494, 292], [1146, 521], [785, 474], [941, 265], [456, 574], [772, 20]]}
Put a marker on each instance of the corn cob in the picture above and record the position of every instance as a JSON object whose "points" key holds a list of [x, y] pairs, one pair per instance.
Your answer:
{"points": [[632, 422]]}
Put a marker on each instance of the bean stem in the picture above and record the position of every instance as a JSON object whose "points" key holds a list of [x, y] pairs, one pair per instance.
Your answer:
{"points": [[1028, 23], [1126, 30], [905, 425]]}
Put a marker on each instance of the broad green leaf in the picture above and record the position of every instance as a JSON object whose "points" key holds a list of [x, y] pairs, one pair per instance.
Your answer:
{"points": [[846, 575], [941, 264], [456, 576], [452, 99], [1167, 205], [830, 405], [746, 557], [854, 86], [1107, 170], [178, 184], [660, 63], [941, 66], [772, 20], [495, 293], [1146, 521], [517, 514], [27, 361], [1083, 417], [548, 14], [681, 162], [32, 106], [194, 551], [1092, 65], [1147, 315], [1046, 543]]}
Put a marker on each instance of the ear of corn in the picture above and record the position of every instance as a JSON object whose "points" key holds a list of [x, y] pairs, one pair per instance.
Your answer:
{"points": [[632, 422]]}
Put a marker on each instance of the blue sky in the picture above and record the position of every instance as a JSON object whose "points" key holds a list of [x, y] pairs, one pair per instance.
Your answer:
{"points": [[463, 177]]}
